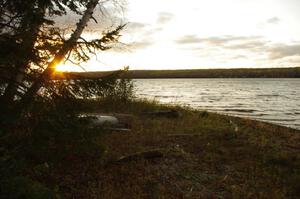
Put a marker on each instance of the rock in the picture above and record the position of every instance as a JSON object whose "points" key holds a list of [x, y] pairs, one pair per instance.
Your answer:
{"points": [[100, 120], [122, 122]]}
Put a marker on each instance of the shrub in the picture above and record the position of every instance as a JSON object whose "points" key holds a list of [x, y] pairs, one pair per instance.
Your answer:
{"points": [[21, 187]]}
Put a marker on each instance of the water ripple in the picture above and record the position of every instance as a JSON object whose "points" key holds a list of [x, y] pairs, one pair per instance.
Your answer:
{"points": [[273, 100]]}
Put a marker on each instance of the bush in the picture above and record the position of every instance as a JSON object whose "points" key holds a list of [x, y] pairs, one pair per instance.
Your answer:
{"points": [[50, 135], [123, 90], [21, 187]]}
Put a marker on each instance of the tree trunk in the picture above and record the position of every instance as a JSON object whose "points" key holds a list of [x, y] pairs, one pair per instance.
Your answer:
{"points": [[48, 72], [27, 47]]}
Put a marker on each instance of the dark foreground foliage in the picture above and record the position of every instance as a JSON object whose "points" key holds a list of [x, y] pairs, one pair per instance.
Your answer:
{"points": [[51, 137], [205, 155], [33, 44]]}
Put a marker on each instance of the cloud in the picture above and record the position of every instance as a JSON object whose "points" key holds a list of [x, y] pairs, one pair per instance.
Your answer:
{"points": [[253, 44], [220, 41], [260, 46], [293, 60], [281, 51], [273, 20], [133, 27], [136, 25], [188, 39], [249, 45], [227, 39], [142, 44], [164, 17], [240, 49], [268, 22], [132, 46], [239, 57]]}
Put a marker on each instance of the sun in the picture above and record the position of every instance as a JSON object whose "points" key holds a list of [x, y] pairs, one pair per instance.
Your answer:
{"points": [[62, 67]]}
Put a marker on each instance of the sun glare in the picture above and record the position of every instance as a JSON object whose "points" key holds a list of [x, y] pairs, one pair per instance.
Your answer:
{"points": [[65, 68]]}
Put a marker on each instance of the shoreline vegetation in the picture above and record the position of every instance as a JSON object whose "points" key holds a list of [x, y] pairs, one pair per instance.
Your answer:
{"points": [[196, 154], [198, 73], [201, 155]]}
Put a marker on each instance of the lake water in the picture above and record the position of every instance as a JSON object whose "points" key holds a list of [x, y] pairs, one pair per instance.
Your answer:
{"points": [[271, 100]]}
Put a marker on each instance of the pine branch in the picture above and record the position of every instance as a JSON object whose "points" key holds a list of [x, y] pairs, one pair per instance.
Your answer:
{"points": [[25, 101]]}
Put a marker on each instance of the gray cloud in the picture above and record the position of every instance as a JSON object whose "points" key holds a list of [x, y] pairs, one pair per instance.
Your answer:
{"points": [[273, 20], [143, 33], [133, 27], [282, 51], [142, 44], [231, 41], [188, 39], [108, 14], [255, 44], [227, 39], [239, 57], [294, 60], [164, 17], [136, 25], [128, 47], [249, 45], [268, 22]]}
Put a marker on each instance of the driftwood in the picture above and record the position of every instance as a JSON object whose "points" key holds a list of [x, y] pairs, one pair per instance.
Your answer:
{"points": [[119, 129], [152, 154]]}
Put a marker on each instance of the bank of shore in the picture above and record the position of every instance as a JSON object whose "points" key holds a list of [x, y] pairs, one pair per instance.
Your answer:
{"points": [[201, 155], [181, 153]]}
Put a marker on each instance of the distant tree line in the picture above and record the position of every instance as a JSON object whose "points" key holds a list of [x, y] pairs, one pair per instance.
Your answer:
{"points": [[203, 73]]}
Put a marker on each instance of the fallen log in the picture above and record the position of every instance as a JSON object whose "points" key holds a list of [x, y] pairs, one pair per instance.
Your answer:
{"points": [[119, 129], [152, 154]]}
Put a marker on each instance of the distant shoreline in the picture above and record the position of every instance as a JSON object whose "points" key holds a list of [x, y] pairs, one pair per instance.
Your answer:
{"points": [[198, 73]]}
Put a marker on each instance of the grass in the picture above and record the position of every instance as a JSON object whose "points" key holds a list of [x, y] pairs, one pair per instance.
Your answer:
{"points": [[205, 155]]}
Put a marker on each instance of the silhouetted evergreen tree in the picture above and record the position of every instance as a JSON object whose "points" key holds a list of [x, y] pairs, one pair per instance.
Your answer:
{"points": [[31, 46]]}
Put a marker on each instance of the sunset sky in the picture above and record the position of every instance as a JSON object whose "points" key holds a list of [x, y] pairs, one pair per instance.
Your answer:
{"points": [[190, 34]]}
